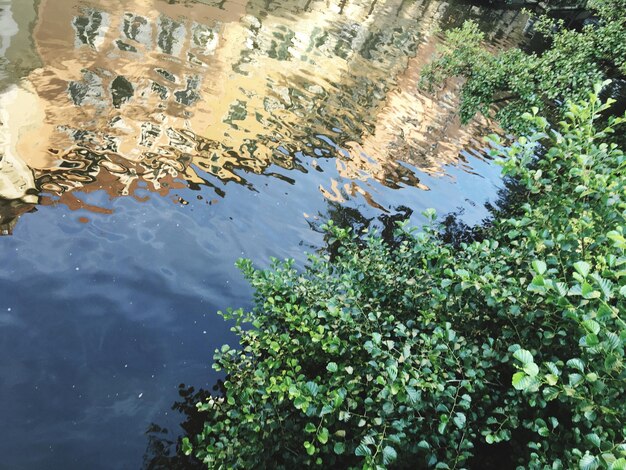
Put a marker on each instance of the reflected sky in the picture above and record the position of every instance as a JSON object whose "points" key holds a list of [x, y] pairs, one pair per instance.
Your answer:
{"points": [[146, 145]]}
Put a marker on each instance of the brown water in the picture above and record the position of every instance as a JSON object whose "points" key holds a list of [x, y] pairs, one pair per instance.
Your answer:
{"points": [[146, 144]]}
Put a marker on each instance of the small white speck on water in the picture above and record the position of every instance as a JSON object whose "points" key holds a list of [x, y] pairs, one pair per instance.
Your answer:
{"points": [[9, 309], [140, 395], [204, 332], [77, 268], [125, 365]]}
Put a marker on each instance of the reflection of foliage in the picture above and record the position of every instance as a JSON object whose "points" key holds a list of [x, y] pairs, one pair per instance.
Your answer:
{"points": [[344, 217], [508, 351], [88, 26], [519, 81], [10, 212], [455, 232], [163, 451], [350, 218]]}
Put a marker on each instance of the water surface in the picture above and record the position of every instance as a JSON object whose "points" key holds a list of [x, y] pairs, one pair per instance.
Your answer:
{"points": [[146, 145]]}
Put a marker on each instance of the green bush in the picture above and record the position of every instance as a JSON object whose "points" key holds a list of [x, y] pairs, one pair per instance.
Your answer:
{"points": [[517, 81], [503, 352]]}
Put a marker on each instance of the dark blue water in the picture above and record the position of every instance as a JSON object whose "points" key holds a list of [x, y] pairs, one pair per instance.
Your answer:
{"points": [[108, 298], [101, 321]]}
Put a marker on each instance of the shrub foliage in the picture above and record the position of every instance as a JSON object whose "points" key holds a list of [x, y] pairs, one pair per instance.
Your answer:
{"points": [[517, 81], [429, 355]]}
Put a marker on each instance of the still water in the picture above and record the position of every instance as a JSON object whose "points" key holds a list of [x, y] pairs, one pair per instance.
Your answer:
{"points": [[145, 145]]}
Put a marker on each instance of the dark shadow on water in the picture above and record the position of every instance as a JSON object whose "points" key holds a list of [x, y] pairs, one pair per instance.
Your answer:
{"points": [[164, 449], [10, 211], [456, 232]]}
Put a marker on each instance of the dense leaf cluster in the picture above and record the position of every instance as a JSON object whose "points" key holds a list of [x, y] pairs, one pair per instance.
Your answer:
{"points": [[500, 353], [517, 81]]}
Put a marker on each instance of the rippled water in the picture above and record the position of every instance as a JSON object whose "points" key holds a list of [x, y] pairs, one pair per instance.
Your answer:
{"points": [[145, 145]]}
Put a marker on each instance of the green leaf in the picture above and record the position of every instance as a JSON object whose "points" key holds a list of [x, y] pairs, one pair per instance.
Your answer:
{"points": [[591, 340], [612, 341], [539, 267], [392, 372], [619, 464], [575, 379], [339, 448], [423, 445], [322, 436], [591, 326], [561, 288], [301, 403], [413, 395], [531, 369], [537, 284], [524, 356], [594, 439], [186, 446], [518, 380], [459, 419], [363, 451], [389, 455], [551, 379], [551, 366], [310, 448], [582, 268], [521, 381], [332, 367], [576, 364], [588, 292], [588, 462], [312, 387], [604, 312], [606, 286], [310, 427]]}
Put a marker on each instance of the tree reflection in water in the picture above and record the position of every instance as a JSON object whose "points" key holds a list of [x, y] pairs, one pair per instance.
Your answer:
{"points": [[163, 450]]}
